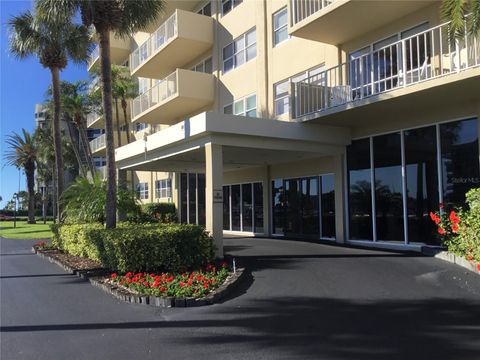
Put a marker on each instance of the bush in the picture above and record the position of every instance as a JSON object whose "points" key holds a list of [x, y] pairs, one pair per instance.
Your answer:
{"points": [[159, 247], [467, 243], [163, 212]]}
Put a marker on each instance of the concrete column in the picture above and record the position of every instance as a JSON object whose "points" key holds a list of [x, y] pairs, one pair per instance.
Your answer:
{"points": [[267, 203], [214, 194], [339, 198], [122, 184]]}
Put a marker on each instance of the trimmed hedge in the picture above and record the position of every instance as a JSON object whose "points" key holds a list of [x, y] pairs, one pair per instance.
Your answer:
{"points": [[163, 212], [136, 248]]}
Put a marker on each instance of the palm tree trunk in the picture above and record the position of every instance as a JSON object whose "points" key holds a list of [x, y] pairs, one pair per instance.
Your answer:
{"points": [[117, 118], [127, 125], [76, 148], [82, 130], [54, 199], [57, 139], [106, 73], [30, 174]]}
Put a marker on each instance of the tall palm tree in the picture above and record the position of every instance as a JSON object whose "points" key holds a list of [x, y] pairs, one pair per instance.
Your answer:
{"points": [[123, 18], [455, 11], [22, 153], [53, 42], [126, 88]]}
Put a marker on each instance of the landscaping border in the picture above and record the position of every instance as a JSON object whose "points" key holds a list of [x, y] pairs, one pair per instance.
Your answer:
{"points": [[99, 278], [451, 258]]}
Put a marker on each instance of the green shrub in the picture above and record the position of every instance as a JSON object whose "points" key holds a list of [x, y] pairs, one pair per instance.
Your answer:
{"points": [[158, 247], [467, 243], [164, 212]]}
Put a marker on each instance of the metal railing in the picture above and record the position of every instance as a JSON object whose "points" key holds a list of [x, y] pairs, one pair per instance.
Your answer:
{"points": [[424, 56], [97, 143], [92, 117], [155, 42], [94, 55], [302, 9], [160, 92]]}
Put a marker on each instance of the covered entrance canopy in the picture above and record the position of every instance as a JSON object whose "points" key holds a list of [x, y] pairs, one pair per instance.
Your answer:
{"points": [[214, 143]]}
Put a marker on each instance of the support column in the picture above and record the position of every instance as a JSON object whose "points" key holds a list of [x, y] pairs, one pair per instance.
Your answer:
{"points": [[122, 184], [267, 204], [214, 194], [340, 210]]}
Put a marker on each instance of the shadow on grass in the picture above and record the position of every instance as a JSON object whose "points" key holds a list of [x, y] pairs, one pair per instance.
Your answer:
{"points": [[301, 327]]}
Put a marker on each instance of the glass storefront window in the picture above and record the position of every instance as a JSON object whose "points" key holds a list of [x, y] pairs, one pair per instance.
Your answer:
{"points": [[247, 207], [235, 204], [226, 208], [258, 207], [327, 206]]}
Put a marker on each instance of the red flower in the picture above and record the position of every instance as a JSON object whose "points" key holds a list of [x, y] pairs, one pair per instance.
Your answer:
{"points": [[113, 276], [182, 284], [163, 288], [470, 257], [205, 285], [441, 231], [434, 218], [169, 279], [478, 266], [129, 281], [454, 218], [128, 274], [455, 228], [223, 264]]}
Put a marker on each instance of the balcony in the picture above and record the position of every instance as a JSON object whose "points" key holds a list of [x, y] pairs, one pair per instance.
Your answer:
{"points": [[180, 94], [119, 51], [338, 21], [98, 145], [422, 65], [95, 120], [180, 39]]}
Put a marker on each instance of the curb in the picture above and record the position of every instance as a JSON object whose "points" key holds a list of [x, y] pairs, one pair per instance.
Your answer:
{"points": [[451, 258], [96, 277]]}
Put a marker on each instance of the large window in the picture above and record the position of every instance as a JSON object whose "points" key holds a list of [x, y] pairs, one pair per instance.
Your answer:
{"points": [[246, 106], [240, 51], [204, 66], [412, 173], [298, 208], [229, 5], [192, 198], [163, 188], [142, 190], [280, 26], [243, 207]]}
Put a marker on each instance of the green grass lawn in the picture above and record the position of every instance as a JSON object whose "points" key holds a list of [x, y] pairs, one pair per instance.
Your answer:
{"points": [[24, 230]]}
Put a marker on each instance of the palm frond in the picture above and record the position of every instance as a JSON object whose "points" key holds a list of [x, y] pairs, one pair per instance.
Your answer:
{"points": [[138, 15], [24, 38], [454, 11], [473, 20]]}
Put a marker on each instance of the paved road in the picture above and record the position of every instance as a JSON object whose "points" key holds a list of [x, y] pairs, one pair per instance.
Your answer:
{"points": [[301, 301]]}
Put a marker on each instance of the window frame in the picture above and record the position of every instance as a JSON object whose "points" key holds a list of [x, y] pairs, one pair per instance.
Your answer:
{"points": [[163, 186], [142, 193], [282, 27], [235, 52], [202, 64], [233, 5], [244, 102]]}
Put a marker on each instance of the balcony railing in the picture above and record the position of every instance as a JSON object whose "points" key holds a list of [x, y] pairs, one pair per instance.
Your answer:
{"points": [[158, 93], [302, 9], [94, 56], [155, 42], [97, 143], [418, 58], [92, 117]]}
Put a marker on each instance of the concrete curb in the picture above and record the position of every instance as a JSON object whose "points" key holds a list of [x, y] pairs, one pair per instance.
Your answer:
{"points": [[451, 258], [97, 278]]}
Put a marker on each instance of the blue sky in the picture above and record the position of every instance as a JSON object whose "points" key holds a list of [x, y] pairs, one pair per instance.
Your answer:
{"points": [[23, 84]]}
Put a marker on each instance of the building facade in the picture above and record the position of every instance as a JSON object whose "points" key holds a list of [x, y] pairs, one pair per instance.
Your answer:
{"points": [[333, 120]]}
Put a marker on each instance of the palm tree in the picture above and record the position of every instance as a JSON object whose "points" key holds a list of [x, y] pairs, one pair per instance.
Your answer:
{"points": [[456, 10], [123, 18], [53, 42], [126, 88], [23, 154]]}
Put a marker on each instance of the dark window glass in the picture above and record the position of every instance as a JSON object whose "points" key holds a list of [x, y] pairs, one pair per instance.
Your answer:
{"points": [[460, 167], [309, 202], [388, 187], [183, 197], [247, 207], [235, 198], [422, 183], [226, 207], [258, 207], [192, 199], [328, 206], [201, 199], [278, 201], [359, 190]]}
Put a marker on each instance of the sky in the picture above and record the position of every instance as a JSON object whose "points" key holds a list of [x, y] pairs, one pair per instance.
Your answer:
{"points": [[23, 84]]}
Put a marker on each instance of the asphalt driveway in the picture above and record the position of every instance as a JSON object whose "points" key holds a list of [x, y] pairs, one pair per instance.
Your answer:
{"points": [[301, 300]]}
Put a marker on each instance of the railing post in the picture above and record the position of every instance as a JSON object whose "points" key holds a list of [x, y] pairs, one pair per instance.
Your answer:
{"points": [[292, 100], [404, 63], [325, 91]]}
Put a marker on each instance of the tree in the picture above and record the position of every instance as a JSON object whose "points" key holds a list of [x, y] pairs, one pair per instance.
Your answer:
{"points": [[456, 11], [123, 18], [22, 153], [53, 42]]}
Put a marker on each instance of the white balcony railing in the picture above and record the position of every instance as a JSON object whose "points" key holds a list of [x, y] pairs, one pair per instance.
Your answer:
{"points": [[97, 143], [94, 55], [301, 9], [92, 117], [421, 57], [155, 42], [158, 93]]}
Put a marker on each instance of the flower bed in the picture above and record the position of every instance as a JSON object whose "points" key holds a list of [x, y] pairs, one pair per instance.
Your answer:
{"points": [[195, 284]]}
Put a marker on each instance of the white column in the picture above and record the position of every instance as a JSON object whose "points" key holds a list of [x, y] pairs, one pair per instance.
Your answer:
{"points": [[214, 194], [339, 198]]}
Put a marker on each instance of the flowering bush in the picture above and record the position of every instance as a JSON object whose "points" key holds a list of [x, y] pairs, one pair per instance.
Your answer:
{"points": [[192, 284], [447, 224], [42, 245]]}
